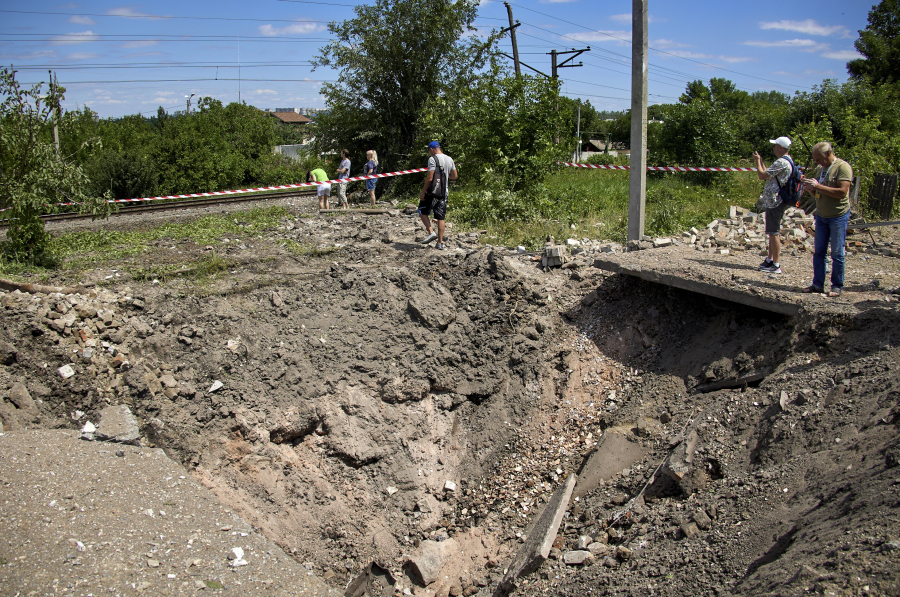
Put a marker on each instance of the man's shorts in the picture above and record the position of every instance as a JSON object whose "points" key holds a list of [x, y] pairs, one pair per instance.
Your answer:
{"points": [[439, 206], [323, 189], [370, 184], [773, 218]]}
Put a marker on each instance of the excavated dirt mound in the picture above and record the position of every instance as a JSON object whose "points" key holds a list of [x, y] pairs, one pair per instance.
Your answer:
{"points": [[382, 408]]}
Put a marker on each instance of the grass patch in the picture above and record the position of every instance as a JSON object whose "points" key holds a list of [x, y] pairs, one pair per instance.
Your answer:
{"points": [[584, 203], [303, 250], [201, 270], [81, 250]]}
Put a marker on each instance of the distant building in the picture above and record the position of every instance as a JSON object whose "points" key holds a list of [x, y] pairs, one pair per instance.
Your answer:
{"points": [[290, 117]]}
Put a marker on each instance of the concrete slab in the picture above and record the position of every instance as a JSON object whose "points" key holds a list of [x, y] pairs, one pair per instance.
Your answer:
{"points": [[537, 546], [686, 279]]}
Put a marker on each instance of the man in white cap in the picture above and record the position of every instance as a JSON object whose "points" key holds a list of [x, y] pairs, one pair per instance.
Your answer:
{"points": [[776, 177]]}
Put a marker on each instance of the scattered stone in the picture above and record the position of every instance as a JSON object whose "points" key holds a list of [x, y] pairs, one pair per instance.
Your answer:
{"points": [[449, 486], [8, 353], [689, 529], [577, 557], [87, 432], [584, 541], [624, 553], [66, 371], [216, 385], [703, 521], [18, 395]]}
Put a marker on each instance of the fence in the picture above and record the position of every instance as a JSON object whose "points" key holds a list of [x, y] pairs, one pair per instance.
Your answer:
{"points": [[881, 195]]}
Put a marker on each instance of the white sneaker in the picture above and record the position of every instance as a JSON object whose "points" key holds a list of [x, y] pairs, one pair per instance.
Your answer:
{"points": [[429, 238]]}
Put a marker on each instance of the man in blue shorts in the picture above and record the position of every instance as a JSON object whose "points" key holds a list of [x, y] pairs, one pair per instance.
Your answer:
{"points": [[433, 197]]}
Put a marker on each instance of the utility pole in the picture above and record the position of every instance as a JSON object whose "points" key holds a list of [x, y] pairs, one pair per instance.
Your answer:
{"points": [[188, 97], [56, 109], [555, 73], [512, 34], [637, 189], [578, 134]]}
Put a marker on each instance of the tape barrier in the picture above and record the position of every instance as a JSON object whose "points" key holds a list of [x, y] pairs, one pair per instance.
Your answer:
{"points": [[260, 189], [660, 168]]}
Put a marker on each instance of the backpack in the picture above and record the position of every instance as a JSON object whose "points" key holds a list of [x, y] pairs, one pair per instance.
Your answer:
{"points": [[438, 187], [792, 190]]}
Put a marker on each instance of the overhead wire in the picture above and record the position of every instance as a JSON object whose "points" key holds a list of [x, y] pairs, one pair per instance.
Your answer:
{"points": [[157, 17]]}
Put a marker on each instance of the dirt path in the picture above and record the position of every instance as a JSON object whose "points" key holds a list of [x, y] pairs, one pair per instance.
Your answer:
{"points": [[377, 402]]}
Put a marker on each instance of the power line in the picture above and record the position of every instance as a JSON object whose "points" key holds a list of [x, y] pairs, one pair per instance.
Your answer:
{"points": [[193, 81], [169, 65], [156, 17], [652, 48], [69, 38], [325, 3]]}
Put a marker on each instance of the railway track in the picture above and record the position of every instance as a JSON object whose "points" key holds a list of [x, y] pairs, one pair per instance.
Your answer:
{"points": [[137, 208]]}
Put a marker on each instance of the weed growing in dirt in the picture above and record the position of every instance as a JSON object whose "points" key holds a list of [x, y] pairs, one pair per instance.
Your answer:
{"points": [[201, 270], [295, 248]]}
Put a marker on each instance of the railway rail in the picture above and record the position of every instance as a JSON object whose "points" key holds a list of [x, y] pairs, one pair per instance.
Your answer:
{"points": [[137, 208]]}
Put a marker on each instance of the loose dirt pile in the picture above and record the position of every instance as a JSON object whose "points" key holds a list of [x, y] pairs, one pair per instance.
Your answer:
{"points": [[373, 406]]}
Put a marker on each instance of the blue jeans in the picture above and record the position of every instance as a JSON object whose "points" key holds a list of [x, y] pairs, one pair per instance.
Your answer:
{"points": [[833, 231]]}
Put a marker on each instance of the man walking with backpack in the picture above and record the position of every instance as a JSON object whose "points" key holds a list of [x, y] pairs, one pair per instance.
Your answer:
{"points": [[433, 198], [776, 197]]}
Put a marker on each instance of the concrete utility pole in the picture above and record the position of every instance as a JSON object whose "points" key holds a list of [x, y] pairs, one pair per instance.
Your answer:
{"points": [[56, 113], [188, 97], [555, 72], [512, 35], [637, 190]]}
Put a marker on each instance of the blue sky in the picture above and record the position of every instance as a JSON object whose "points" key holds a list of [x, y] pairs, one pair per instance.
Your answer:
{"points": [[123, 59]]}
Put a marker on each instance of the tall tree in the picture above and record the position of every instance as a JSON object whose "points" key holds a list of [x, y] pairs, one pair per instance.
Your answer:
{"points": [[880, 44], [391, 59], [34, 174]]}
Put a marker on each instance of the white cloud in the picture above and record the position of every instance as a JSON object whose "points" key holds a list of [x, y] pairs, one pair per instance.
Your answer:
{"points": [[662, 44], [699, 56], [139, 44], [819, 73], [843, 55], [265, 92], [808, 27], [30, 56], [601, 36], [133, 14], [556, 1], [75, 38], [82, 56], [804, 45], [80, 20], [299, 28]]}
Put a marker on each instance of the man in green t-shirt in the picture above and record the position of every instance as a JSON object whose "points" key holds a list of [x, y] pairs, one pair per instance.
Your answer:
{"points": [[830, 185]]}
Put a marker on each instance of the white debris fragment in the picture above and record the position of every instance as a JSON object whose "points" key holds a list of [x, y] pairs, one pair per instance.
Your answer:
{"points": [[66, 371], [216, 385], [449, 486]]}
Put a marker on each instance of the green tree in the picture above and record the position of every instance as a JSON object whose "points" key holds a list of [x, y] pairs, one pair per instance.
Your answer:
{"points": [[501, 128], [879, 42], [392, 58], [33, 174]]}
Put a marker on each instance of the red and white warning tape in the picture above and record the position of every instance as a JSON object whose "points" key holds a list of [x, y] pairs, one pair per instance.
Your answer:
{"points": [[272, 188], [660, 168], [260, 189]]}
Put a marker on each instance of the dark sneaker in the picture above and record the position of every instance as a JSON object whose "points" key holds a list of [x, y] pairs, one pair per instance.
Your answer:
{"points": [[771, 269], [764, 265], [429, 238], [441, 246]]}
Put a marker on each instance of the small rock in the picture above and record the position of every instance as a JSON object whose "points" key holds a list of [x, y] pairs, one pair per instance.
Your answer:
{"points": [[577, 557], [449, 486], [703, 521], [624, 553], [690, 530], [584, 541], [153, 563], [87, 432], [216, 385], [66, 371]]}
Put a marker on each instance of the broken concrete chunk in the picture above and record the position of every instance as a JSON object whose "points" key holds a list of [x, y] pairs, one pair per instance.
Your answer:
{"points": [[7, 353], [117, 424], [87, 432], [66, 371], [577, 557], [430, 558], [449, 486], [216, 385], [690, 530], [18, 395]]}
